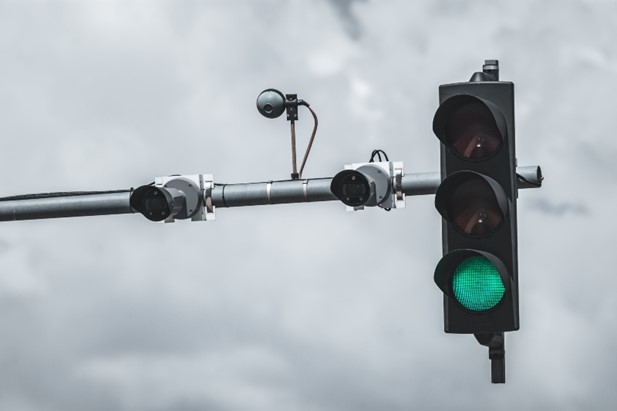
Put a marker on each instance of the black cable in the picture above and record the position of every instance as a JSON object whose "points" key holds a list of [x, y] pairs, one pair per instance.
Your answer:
{"points": [[223, 194], [378, 153], [312, 138]]}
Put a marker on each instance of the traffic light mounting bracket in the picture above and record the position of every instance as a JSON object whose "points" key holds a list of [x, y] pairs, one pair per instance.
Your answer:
{"points": [[496, 353]]}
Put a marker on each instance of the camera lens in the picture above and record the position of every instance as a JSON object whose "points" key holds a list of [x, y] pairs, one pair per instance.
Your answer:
{"points": [[353, 190]]}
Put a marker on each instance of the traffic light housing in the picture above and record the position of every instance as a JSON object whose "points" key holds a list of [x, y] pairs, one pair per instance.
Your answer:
{"points": [[477, 200]]}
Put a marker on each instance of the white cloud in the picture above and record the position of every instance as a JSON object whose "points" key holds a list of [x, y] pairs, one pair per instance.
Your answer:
{"points": [[18, 277]]}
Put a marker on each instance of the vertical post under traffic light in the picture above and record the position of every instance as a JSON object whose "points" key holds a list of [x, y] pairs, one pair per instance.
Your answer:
{"points": [[477, 200]]}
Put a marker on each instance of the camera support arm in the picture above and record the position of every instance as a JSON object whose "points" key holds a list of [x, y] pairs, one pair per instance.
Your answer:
{"points": [[79, 204]]}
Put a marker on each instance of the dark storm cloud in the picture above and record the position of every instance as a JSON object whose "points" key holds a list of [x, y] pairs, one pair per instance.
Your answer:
{"points": [[545, 205], [345, 10]]}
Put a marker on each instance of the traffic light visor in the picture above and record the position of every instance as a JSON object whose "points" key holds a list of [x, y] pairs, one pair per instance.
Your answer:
{"points": [[473, 203], [472, 128]]}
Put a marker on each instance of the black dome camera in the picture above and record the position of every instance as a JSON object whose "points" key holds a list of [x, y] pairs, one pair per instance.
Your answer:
{"points": [[271, 103]]}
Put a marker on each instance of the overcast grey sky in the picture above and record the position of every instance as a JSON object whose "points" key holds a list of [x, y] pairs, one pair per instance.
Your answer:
{"points": [[296, 307]]}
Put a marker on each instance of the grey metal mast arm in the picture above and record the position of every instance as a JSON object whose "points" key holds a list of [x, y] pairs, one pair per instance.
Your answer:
{"points": [[222, 195], [318, 189], [68, 205]]}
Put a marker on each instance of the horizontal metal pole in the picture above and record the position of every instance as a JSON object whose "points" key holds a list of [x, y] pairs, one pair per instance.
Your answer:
{"points": [[272, 192], [311, 190], [65, 206], [223, 195], [418, 184]]}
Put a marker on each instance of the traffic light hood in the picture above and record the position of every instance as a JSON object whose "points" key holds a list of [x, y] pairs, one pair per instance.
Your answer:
{"points": [[468, 193], [462, 116]]}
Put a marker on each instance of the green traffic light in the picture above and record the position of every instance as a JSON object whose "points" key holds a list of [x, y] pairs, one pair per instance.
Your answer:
{"points": [[477, 285]]}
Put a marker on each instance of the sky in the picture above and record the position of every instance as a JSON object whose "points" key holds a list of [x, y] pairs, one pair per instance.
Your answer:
{"points": [[301, 307]]}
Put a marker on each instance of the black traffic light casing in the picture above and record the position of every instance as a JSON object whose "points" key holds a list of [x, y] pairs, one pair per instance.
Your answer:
{"points": [[469, 174]]}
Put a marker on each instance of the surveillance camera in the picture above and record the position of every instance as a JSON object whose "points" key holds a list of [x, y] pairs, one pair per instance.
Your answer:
{"points": [[367, 185], [173, 198], [271, 103], [370, 184]]}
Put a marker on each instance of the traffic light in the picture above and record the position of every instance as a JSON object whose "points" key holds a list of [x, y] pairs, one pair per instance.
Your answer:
{"points": [[477, 200]]}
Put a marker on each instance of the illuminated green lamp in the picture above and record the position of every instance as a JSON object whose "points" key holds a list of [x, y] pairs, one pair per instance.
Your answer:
{"points": [[477, 284]]}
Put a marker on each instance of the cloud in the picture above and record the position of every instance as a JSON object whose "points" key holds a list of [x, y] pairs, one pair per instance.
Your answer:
{"points": [[302, 307], [346, 13], [559, 208]]}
